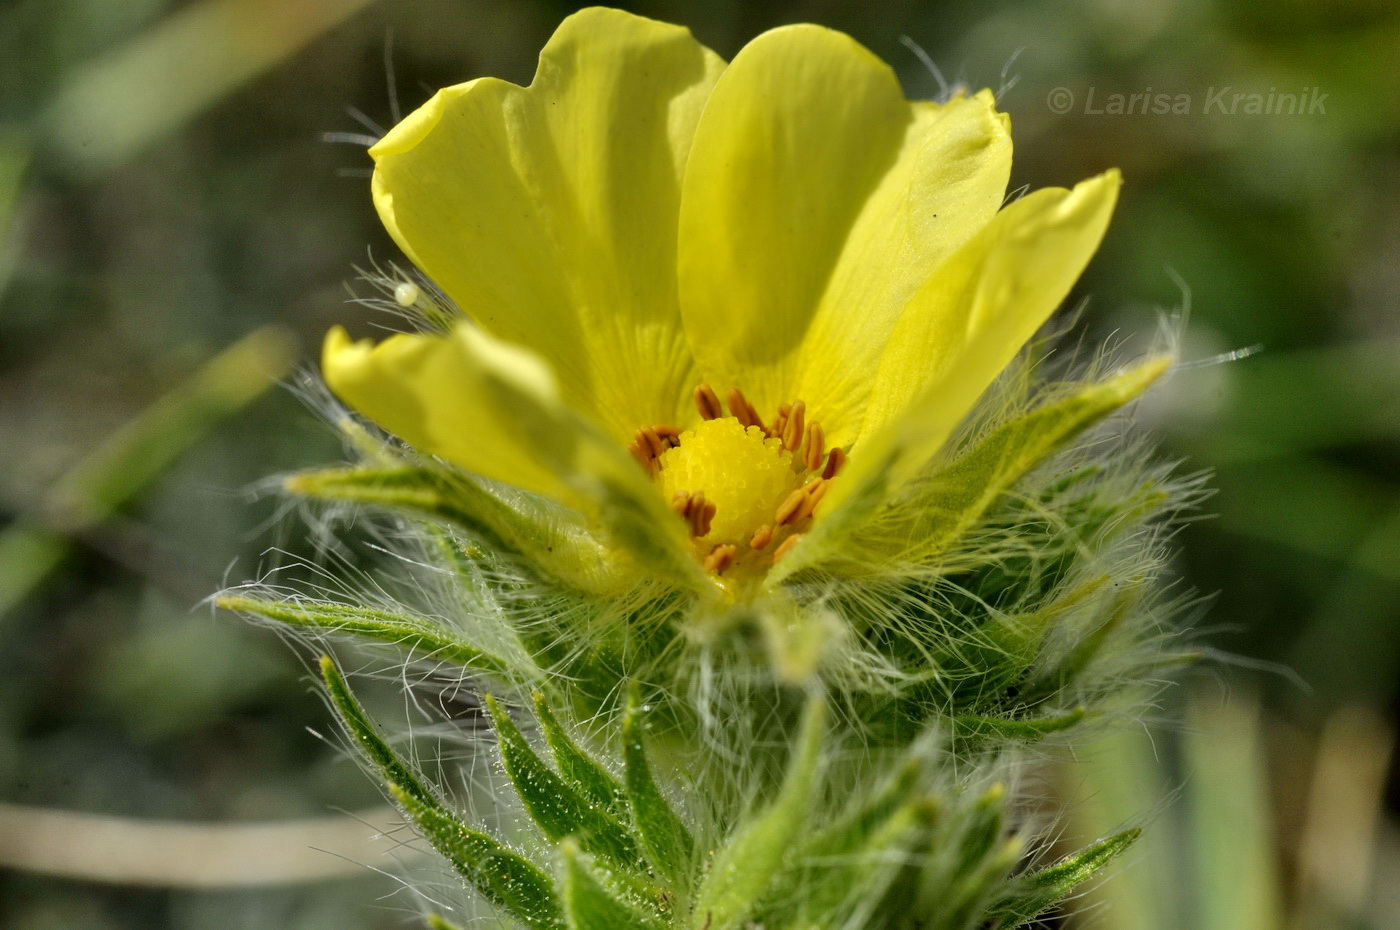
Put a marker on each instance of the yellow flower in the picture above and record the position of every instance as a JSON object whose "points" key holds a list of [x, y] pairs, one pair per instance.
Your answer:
{"points": [[721, 311]]}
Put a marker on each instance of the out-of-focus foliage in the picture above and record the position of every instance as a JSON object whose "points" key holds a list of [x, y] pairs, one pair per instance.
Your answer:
{"points": [[165, 190]]}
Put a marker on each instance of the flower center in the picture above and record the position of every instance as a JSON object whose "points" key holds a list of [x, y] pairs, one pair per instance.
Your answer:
{"points": [[747, 491]]}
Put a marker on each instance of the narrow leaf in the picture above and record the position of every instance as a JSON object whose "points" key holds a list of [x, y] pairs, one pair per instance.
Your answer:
{"points": [[576, 766], [407, 631], [366, 736], [974, 728], [743, 870], [552, 803], [589, 905], [856, 829], [503, 877], [1044, 888], [665, 841], [500, 875]]}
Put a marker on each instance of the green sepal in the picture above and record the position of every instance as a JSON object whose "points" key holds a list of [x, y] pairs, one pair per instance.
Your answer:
{"points": [[501, 876], [403, 630], [954, 499], [589, 904], [1042, 889], [576, 766], [972, 728], [555, 806], [742, 872], [664, 838], [546, 536]]}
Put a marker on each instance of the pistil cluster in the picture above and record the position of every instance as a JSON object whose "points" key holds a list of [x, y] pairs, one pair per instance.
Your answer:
{"points": [[742, 486]]}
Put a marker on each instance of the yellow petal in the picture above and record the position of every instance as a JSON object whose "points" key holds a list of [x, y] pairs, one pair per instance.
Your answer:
{"points": [[815, 202], [961, 330], [549, 213], [465, 397], [493, 408]]}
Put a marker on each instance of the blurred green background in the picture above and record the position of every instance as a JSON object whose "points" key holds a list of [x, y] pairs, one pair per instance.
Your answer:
{"points": [[175, 235]]}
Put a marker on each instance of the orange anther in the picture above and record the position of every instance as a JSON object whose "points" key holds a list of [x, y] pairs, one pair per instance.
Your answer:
{"points": [[793, 427], [786, 547], [761, 537], [720, 558], [787, 510], [812, 445]]}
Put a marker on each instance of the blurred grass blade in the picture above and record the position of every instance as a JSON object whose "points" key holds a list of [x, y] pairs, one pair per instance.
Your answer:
{"points": [[554, 805], [500, 875], [403, 630], [588, 905], [117, 105], [665, 840], [741, 872], [136, 454], [576, 766], [1053, 883]]}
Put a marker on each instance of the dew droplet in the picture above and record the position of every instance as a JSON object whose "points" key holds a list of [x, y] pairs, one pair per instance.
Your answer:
{"points": [[406, 294]]}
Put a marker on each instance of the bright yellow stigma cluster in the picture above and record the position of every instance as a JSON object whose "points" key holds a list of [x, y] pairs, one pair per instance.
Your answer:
{"points": [[744, 472]]}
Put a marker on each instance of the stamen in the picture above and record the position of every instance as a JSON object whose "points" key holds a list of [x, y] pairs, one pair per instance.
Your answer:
{"points": [[780, 421], [643, 458], [814, 493], [670, 436], [648, 435], [834, 460], [761, 537], [708, 403], [720, 558], [792, 429], [742, 410], [787, 510], [786, 547], [813, 443], [695, 510]]}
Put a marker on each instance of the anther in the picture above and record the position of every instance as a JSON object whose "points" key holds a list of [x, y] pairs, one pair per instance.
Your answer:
{"points": [[834, 460], [780, 421], [813, 443], [786, 547], [787, 510], [698, 512], [670, 436], [741, 410], [793, 428], [761, 537], [720, 558], [641, 449], [708, 403], [814, 494], [648, 435]]}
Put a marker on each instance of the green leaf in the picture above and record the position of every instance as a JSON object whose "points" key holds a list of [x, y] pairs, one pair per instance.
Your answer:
{"points": [[1042, 889], [974, 728], [744, 869], [552, 803], [501, 876], [854, 831], [366, 736], [409, 632], [665, 841], [589, 904], [576, 766]]}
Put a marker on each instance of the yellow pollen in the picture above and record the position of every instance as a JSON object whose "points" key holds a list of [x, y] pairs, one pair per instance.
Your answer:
{"points": [[742, 473]]}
